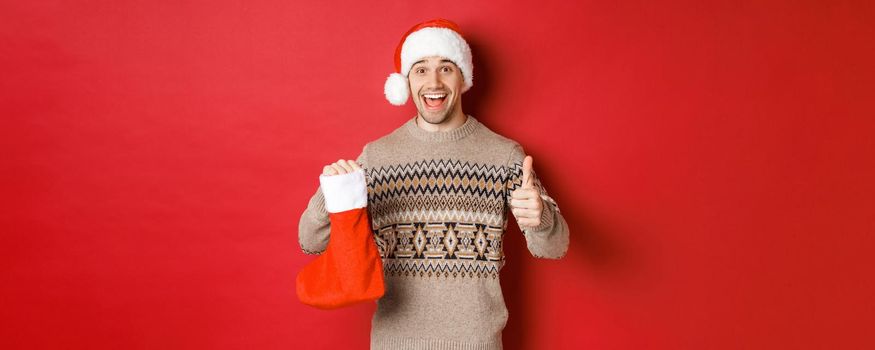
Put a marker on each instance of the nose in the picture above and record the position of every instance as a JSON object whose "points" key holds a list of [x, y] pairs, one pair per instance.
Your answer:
{"points": [[434, 79]]}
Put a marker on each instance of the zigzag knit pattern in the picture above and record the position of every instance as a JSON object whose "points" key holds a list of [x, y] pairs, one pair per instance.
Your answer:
{"points": [[441, 217]]}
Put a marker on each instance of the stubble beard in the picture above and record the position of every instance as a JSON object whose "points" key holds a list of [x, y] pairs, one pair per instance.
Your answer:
{"points": [[434, 119]]}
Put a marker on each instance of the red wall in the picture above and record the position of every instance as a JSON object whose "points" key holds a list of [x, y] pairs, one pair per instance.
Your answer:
{"points": [[714, 163]]}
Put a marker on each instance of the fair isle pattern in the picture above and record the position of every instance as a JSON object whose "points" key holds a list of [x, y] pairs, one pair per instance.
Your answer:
{"points": [[441, 241], [437, 190], [443, 217], [441, 249], [439, 217], [445, 269]]}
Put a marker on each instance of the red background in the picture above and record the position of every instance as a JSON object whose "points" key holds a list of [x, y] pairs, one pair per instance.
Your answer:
{"points": [[714, 163]]}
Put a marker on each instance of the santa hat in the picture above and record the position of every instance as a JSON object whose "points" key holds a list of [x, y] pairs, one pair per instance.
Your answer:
{"points": [[437, 37]]}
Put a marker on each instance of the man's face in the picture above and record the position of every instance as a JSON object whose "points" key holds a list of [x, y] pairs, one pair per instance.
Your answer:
{"points": [[436, 88]]}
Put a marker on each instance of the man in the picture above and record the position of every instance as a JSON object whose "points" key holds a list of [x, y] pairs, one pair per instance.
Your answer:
{"points": [[439, 190]]}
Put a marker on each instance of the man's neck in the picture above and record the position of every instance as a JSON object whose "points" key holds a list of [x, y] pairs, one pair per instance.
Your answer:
{"points": [[455, 120]]}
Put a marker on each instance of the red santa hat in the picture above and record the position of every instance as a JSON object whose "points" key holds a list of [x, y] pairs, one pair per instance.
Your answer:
{"points": [[437, 37]]}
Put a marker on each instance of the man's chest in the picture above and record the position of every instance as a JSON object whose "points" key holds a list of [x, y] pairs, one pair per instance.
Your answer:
{"points": [[437, 190]]}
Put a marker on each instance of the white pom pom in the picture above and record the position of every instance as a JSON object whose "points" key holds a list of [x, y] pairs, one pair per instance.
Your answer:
{"points": [[396, 89]]}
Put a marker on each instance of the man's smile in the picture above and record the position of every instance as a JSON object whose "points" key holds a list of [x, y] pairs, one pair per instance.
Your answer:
{"points": [[434, 100]]}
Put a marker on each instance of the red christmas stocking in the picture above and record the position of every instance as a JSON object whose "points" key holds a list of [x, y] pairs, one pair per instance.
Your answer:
{"points": [[350, 270]]}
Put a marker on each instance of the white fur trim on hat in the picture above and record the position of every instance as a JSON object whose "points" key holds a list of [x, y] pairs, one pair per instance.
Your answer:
{"points": [[396, 89], [436, 41]]}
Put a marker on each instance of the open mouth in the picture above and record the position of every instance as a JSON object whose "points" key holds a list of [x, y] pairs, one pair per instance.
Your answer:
{"points": [[434, 100]]}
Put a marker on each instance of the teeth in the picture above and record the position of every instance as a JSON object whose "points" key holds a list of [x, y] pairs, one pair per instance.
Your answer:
{"points": [[436, 96]]}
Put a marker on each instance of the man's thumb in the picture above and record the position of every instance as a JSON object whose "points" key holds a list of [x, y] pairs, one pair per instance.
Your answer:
{"points": [[527, 172]]}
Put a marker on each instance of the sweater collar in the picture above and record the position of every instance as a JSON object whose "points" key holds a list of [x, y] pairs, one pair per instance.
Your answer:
{"points": [[458, 133]]}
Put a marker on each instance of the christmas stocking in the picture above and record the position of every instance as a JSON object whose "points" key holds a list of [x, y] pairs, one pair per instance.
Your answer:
{"points": [[350, 269]]}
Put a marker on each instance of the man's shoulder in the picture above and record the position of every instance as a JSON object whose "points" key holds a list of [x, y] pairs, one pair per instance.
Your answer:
{"points": [[390, 139], [499, 140]]}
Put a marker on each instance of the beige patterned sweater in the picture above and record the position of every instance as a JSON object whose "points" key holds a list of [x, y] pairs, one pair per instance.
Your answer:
{"points": [[439, 206]]}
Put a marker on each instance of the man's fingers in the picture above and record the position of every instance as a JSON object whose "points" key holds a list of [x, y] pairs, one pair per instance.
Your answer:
{"points": [[524, 203], [328, 170], [520, 213], [523, 193], [343, 164], [527, 172], [338, 168]]}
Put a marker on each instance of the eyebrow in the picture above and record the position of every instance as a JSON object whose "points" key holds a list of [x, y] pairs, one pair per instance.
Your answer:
{"points": [[442, 61]]}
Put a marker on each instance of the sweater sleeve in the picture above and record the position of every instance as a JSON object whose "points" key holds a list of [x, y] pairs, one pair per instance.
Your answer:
{"points": [[315, 225], [549, 239]]}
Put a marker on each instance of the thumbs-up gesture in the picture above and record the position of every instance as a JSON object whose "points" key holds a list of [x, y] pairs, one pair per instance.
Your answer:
{"points": [[526, 203]]}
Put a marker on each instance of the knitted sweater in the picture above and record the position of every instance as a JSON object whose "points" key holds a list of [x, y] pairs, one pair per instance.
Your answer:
{"points": [[439, 204]]}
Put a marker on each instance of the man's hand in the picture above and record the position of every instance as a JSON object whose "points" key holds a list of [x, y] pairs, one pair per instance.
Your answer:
{"points": [[340, 167], [526, 203]]}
